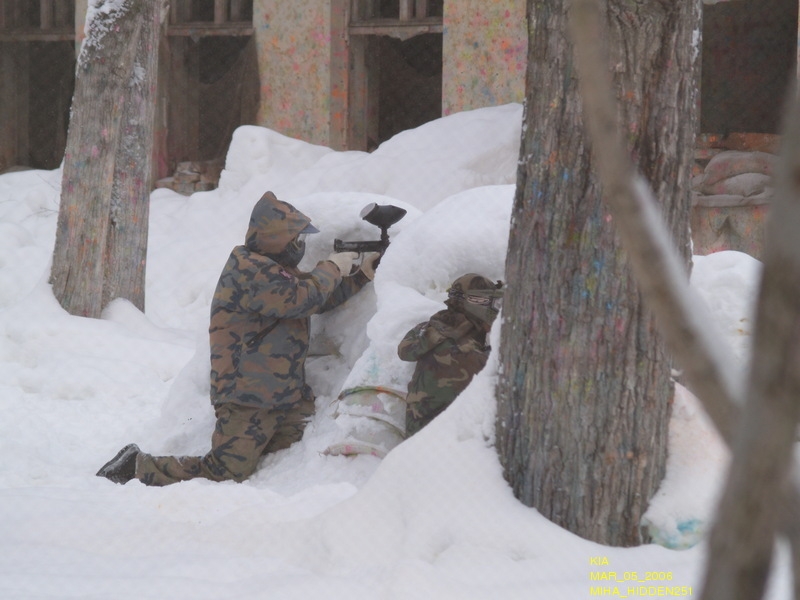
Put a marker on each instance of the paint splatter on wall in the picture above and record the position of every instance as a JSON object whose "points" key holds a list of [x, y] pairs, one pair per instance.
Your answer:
{"points": [[294, 55], [484, 44], [485, 54]]}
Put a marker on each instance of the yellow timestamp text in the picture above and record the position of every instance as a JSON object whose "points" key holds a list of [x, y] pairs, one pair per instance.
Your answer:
{"points": [[632, 584]]}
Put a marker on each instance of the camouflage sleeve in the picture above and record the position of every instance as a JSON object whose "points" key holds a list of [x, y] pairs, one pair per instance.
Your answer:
{"points": [[420, 340], [348, 288], [280, 294]]}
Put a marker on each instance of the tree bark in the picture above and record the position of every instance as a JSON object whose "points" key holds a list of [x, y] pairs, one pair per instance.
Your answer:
{"points": [[101, 239], [759, 497], [585, 391]]}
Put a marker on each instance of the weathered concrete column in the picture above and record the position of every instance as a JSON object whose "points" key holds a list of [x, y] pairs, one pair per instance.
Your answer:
{"points": [[485, 54], [294, 62]]}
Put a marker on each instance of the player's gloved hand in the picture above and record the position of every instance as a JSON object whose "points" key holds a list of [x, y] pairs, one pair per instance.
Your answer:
{"points": [[343, 260], [369, 264]]}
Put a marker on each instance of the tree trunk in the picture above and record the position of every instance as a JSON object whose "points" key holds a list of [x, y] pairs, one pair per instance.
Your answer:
{"points": [[755, 501], [101, 240], [585, 392], [758, 496]]}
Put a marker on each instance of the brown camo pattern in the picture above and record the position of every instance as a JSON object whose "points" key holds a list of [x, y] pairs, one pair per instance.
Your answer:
{"points": [[255, 292]]}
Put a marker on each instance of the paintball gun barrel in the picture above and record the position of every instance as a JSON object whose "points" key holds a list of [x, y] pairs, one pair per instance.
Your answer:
{"points": [[380, 215]]}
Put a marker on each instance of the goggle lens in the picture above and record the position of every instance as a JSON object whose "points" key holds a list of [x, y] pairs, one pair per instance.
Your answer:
{"points": [[479, 300], [299, 241], [495, 302]]}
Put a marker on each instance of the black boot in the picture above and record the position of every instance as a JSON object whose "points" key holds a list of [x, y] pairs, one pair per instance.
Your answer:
{"points": [[121, 468]]}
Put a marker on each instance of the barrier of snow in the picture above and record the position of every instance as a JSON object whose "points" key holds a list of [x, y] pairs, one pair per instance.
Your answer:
{"points": [[411, 284]]}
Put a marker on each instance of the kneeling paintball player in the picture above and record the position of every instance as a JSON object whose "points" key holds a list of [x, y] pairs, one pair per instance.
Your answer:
{"points": [[259, 337]]}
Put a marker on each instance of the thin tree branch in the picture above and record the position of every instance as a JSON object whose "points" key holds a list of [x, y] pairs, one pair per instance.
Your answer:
{"points": [[742, 539]]}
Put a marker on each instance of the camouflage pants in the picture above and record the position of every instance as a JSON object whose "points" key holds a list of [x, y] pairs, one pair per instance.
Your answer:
{"points": [[241, 437], [421, 412]]}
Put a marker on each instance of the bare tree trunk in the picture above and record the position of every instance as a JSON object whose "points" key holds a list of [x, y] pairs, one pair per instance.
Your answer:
{"points": [[585, 391], [759, 496], [659, 269], [101, 240]]}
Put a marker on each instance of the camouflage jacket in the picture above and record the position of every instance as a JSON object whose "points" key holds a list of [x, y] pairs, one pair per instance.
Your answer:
{"points": [[255, 294], [449, 350]]}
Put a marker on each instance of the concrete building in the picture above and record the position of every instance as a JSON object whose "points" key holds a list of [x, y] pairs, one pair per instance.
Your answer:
{"points": [[341, 73]]}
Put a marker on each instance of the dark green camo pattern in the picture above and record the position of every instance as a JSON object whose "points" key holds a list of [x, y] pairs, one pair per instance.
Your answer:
{"points": [[449, 350]]}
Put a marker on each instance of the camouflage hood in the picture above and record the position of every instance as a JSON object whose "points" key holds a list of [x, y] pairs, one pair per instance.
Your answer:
{"points": [[273, 224]]}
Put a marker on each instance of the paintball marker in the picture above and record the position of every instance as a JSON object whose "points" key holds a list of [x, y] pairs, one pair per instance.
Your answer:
{"points": [[380, 215]]}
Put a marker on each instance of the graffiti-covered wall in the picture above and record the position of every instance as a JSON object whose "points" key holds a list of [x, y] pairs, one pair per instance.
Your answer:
{"points": [[484, 57], [485, 54], [294, 53]]}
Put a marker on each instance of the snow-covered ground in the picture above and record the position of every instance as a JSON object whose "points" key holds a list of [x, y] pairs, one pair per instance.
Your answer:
{"points": [[434, 519]]}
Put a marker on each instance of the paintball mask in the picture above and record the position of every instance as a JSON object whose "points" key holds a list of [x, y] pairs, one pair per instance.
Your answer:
{"points": [[296, 249], [477, 297]]}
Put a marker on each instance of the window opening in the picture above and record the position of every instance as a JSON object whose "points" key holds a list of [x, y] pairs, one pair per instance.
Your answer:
{"points": [[212, 87], [401, 10], [396, 68], [37, 77], [42, 17], [749, 57], [217, 12], [410, 83]]}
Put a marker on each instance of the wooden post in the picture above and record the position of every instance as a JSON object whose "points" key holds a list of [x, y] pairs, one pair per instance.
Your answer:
{"points": [[9, 123], [6, 16], [220, 11], [421, 9], [183, 116], [179, 12], [62, 13], [237, 10], [406, 10], [22, 108], [45, 14], [362, 10], [20, 18], [357, 95], [161, 167], [340, 83], [372, 114]]}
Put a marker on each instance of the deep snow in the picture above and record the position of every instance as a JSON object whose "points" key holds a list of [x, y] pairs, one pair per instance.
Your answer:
{"points": [[434, 519]]}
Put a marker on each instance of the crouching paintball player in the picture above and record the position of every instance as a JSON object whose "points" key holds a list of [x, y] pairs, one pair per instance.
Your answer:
{"points": [[259, 337], [449, 348]]}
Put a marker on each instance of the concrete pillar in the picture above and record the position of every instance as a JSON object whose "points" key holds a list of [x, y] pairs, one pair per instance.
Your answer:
{"points": [[294, 61], [485, 54]]}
